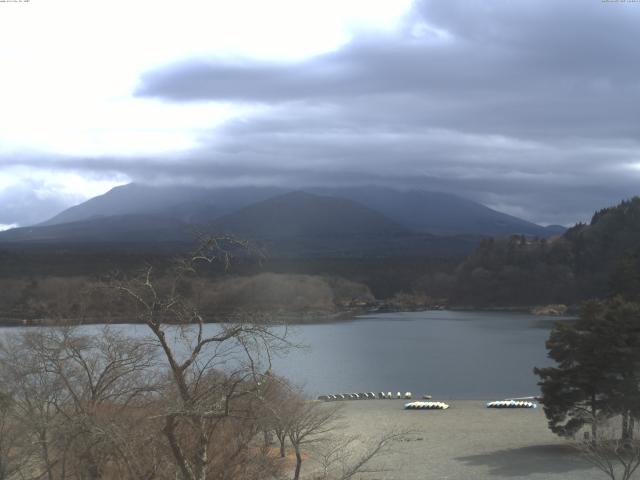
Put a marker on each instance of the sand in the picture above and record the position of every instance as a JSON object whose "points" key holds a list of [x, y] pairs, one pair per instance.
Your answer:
{"points": [[467, 442]]}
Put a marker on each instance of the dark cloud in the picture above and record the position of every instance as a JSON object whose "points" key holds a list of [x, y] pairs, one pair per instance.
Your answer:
{"points": [[530, 107], [537, 68]]}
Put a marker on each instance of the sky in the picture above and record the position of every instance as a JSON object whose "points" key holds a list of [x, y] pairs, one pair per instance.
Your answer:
{"points": [[530, 107]]}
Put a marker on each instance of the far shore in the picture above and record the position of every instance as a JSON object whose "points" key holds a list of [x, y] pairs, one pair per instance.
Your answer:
{"points": [[290, 318]]}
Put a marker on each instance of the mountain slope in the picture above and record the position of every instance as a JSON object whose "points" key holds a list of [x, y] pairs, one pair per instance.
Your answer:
{"points": [[296, 224], [302, 224], [117, 228], [300, 214], [186, 203], [422, 211], [437, 212]]}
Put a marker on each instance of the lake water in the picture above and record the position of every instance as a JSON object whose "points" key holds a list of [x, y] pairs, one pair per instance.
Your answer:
{"points": [[462, 355], [450, 355]]}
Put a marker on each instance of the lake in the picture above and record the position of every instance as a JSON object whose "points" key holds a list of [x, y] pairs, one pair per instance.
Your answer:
{"points": [[447, 354]]}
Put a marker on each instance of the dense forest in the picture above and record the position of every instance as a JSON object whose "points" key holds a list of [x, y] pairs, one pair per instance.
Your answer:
{"points": [[594, 260]]}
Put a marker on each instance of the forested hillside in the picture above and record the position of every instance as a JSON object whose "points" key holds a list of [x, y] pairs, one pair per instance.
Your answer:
{"points": [[594, 260]]}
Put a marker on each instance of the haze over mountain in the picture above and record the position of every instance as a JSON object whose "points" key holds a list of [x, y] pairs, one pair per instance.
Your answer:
{"points": [[418, 210], [329, 221], [302, 224], [190, 203], [126, 228], [439, 213], [300, 215]]}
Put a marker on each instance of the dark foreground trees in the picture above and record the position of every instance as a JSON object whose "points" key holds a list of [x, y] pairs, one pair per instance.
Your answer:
{"points": [[598, 370]]}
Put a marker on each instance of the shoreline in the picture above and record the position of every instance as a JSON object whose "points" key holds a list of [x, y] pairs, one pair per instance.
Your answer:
{"points": [[289, 318]]}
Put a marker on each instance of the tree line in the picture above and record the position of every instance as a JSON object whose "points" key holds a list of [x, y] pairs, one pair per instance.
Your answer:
{"points": [[588, 261], [56, 300]]}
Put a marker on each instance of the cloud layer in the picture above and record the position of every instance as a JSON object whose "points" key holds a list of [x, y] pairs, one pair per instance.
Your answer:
{"points": [[530, 107]]}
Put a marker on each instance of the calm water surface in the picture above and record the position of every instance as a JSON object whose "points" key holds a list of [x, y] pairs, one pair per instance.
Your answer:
{"points": [[461, 355]]}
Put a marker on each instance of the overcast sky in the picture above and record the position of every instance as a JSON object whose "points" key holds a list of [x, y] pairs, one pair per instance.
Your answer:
{"points": [[531, 107]]}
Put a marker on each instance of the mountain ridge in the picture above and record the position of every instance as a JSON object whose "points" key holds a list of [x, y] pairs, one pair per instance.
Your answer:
{"points": [[419, 210], [298, 224], [300, 213]]}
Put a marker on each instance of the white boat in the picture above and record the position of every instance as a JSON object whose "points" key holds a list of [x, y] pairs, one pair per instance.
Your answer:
{"points": [[512, 404], [426, 406]]}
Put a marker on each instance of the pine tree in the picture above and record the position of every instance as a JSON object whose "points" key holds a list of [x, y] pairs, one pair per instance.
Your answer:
{"points": [[598, 368]]}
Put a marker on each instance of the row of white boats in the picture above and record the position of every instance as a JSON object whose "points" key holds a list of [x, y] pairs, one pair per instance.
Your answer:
{"points": [[425, 405], [496, 404], [512, 404], [368, 396]]}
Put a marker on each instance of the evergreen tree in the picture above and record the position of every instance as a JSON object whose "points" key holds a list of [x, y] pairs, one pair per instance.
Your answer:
{"points": [[625, 278], [622, 320], [598, 371]]}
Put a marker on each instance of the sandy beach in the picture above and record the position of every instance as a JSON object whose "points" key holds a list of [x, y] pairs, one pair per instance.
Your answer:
{"points": [[467, 441]]}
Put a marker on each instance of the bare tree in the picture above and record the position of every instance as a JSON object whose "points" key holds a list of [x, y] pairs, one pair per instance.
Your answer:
{"points": [[12, 440], [310, 422], [106, 377], [241, 350], [614, 452], [189, 401], [344, 457], [314, 428], [80, 398], [279, 401], [35, 393]]}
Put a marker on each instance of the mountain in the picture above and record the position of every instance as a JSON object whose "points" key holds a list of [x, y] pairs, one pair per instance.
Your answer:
{"points": [[294, 224], [438, 213], [362, 221], [300, 214], [421, 211], [142, 229], [308, 225], [186, 203]]}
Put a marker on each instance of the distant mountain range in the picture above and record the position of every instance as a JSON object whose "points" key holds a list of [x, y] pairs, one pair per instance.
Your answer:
{"points": [[319, 221]]}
